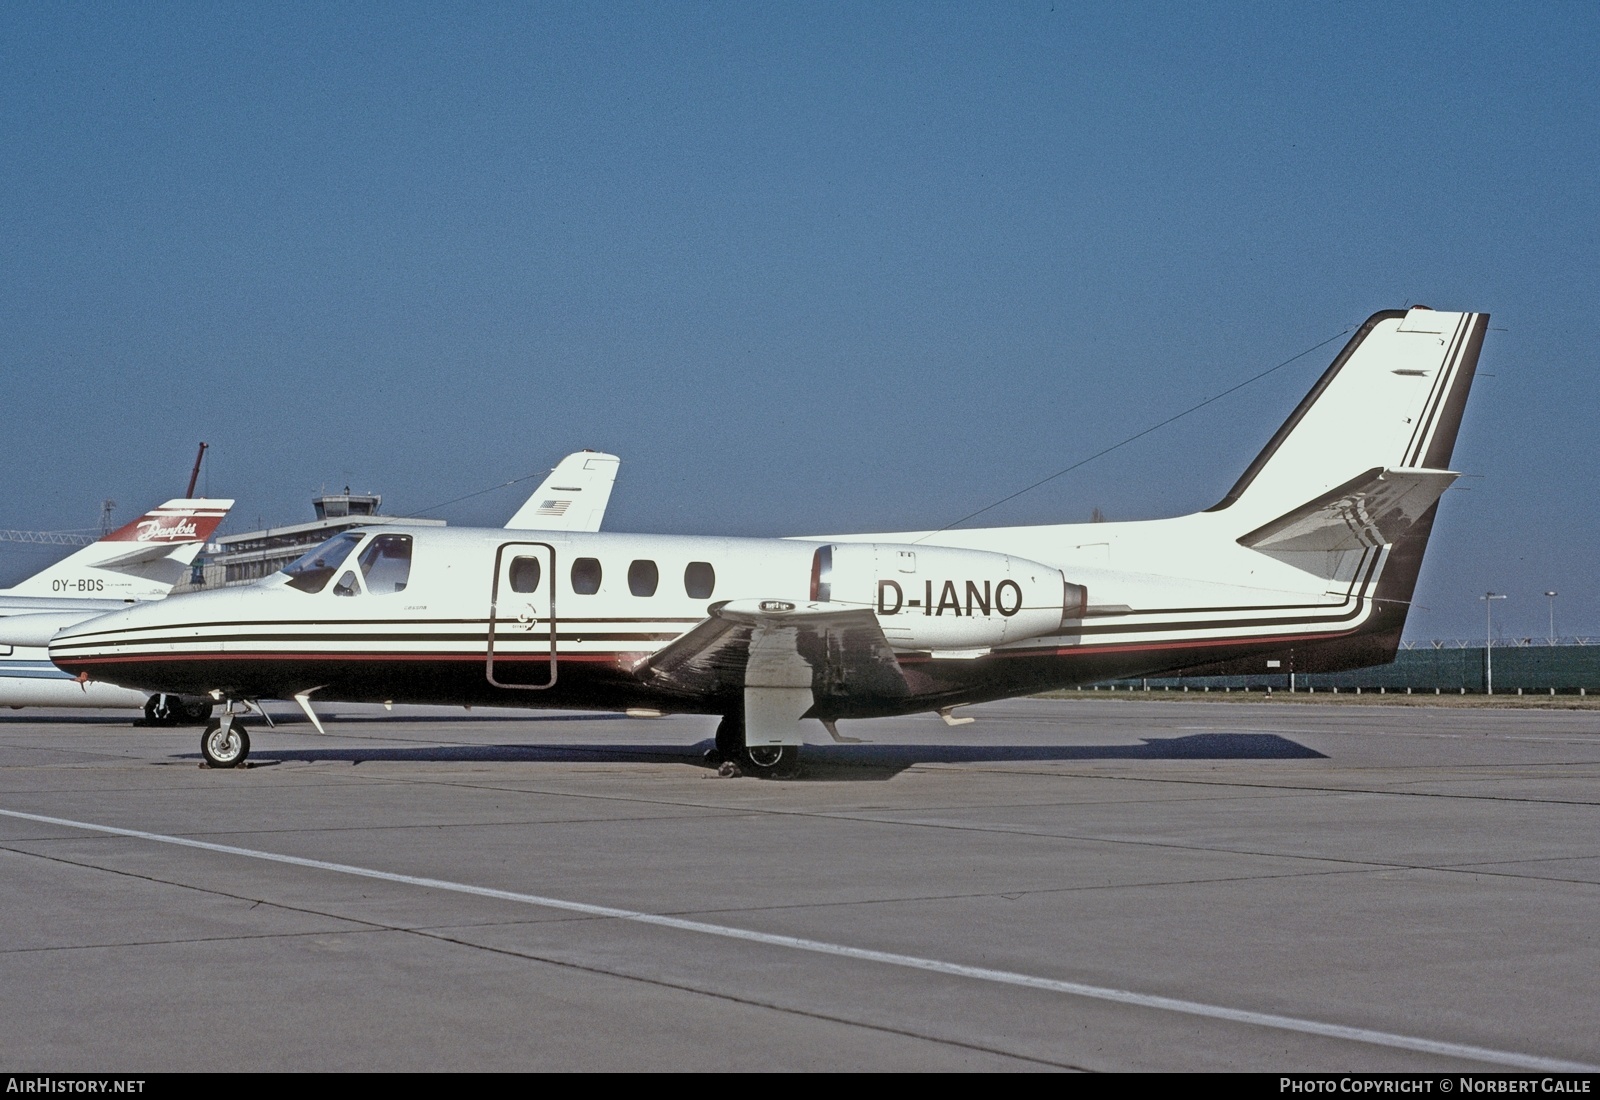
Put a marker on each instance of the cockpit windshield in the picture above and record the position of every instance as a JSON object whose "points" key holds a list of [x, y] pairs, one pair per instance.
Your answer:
{"points": [[311, 571]]}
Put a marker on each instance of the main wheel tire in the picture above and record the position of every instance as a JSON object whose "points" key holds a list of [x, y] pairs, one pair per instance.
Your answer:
{"points": [[193, 711], [772, 761], [225, 749], [161, 710], [730, 738]]}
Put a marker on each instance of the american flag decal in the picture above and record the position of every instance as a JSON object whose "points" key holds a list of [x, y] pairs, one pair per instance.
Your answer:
{"points": [[554, 507]]}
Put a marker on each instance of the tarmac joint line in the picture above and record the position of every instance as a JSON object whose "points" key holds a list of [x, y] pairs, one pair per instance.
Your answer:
{"points": [[1369, 1036]]}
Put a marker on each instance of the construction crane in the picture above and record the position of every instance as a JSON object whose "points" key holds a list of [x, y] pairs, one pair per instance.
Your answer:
{"points": [[48, 538], [73, 538]]}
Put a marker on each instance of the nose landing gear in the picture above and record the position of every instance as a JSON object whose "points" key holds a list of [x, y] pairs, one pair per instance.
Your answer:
{"points": [[225, 743]]}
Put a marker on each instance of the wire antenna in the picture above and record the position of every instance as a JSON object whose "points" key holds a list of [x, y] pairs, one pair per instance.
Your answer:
{"points": [[1140, 435], [469, 496]]}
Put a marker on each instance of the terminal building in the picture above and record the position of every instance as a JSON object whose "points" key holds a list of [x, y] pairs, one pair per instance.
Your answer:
{"points": [[247, 557]]}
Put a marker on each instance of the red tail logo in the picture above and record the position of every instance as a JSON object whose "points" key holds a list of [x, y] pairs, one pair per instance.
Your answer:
{"points": [[151, 530], [174, 525]]}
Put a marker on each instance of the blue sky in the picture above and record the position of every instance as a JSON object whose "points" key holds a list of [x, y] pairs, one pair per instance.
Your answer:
{"points": [[804, 267]]}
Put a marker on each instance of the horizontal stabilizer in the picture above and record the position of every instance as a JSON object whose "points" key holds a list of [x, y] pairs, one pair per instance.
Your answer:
{"points": [[749, 643], [1371, 510], [573, 497], [144, 555]]}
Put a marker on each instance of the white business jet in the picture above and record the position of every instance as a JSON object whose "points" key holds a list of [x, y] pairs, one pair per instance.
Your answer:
{"points": [[1308, 563], [139, 561]]}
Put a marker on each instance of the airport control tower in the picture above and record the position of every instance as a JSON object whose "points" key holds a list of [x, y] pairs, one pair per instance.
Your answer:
{"points": [[240, 559]]}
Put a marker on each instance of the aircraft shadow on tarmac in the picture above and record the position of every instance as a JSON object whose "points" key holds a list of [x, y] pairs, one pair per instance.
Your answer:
{"points": [[821, 762]]}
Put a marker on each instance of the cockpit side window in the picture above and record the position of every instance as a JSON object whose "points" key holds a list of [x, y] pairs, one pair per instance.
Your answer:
{"points": [[348, 585], [311, 571], [386, 564]]}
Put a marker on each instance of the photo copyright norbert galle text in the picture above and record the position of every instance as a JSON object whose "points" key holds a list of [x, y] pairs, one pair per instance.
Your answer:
{"points": [[1492, 1084]]}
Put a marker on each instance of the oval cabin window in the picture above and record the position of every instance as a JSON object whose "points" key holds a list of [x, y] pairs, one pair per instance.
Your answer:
{"points": [[525, 574], [699, 579], [643, 576], [586, 576]]}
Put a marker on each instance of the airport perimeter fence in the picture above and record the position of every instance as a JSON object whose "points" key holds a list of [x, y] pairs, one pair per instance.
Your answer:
{"points": [[1571, 668]]}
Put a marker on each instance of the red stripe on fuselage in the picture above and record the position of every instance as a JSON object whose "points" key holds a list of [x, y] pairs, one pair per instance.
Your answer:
{"points": [[477, 658]]}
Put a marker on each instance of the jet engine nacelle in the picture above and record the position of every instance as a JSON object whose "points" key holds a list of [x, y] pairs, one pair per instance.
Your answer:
{"points": [[938, 598]]}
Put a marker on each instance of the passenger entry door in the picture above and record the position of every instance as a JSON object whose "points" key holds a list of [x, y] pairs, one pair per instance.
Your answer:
{"points": [[522, 617]]}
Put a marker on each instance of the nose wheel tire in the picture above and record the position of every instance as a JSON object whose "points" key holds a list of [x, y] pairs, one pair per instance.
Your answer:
{"points": [[225, 746]]}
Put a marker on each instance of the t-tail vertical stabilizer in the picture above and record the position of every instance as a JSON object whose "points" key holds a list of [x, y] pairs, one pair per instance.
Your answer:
{"points": [[1349, 486], [573, 497], [1386, 411]]}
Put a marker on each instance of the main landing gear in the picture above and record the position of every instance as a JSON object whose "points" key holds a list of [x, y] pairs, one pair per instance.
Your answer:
{"points": [[767, 761], [226, 743], [176, 710]]}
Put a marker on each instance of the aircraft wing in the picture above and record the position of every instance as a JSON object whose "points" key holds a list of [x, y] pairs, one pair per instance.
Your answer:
{"points": [[774, 643], [1372, 509], [573, 497]]}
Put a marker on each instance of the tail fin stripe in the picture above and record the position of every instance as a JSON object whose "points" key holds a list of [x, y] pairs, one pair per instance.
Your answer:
{"points": [[1442, 437], [1445, 385], [1443, 376]]}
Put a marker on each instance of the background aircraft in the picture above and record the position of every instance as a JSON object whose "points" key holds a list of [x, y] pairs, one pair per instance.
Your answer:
{"points": [[1308, 563], [572, 498], [139, 561]]}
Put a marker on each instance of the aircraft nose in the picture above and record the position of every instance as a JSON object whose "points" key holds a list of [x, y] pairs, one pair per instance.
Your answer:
{"points": [[85, 645], [163, 645]]}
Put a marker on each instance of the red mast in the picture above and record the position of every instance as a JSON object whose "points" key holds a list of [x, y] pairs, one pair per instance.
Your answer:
{"points": [[194, 475]]}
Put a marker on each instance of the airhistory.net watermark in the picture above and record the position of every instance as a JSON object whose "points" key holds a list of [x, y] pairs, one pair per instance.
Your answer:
{"points": [[48, 1083]]}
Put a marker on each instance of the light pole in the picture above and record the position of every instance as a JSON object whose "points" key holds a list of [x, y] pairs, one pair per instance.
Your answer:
{"points": [[1488, 599], [1552, 597]]}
